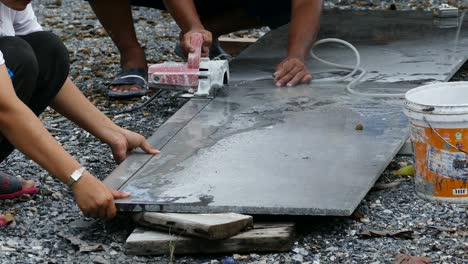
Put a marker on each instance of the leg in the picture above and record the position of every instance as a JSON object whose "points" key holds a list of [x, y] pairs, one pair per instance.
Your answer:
{"points": [[54, 65], [116, 18], [21, 60], [41, 72]]}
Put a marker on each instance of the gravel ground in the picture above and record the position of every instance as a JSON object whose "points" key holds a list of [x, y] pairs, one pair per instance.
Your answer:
{"points": [[48, 223]]}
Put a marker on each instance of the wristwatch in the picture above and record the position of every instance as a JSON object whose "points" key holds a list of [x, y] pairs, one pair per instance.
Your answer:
{"points": [[75, 176]]}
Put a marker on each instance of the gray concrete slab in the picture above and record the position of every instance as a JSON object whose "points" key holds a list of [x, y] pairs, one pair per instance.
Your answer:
{"points": [[264, 150], [396, 47], [160, 138]]}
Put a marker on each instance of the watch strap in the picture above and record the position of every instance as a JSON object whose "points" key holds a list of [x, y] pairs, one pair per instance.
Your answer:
{"points": [[75, 176]]}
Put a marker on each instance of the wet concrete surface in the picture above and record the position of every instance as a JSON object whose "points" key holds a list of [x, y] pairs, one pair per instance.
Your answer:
{"points": [[412, 47], [264, 150], [258, 149]]}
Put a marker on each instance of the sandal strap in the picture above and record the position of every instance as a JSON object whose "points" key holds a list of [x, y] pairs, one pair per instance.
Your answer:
{"points": [[136, 76], [133, 76], [9, 184]]}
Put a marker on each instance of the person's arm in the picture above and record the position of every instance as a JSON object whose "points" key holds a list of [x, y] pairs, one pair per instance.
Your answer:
{"points": [[72, 104], [25, 131], [303, 29], [186, 16]]}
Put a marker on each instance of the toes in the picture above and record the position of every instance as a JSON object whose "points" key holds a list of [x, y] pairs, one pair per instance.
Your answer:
{"points": [[26, 183], [125, 88]]}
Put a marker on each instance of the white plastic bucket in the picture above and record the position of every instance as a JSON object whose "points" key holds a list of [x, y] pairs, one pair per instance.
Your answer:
{"points": [[438, 115]]}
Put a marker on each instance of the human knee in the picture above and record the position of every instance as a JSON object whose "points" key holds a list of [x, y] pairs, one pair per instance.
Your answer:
{"points": [[19, 58], [21, 61], [52, 50]]}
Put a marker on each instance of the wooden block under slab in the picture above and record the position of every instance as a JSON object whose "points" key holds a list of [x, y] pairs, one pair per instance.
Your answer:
{"points": [[262, 238], [209, 226], [234, 46]]}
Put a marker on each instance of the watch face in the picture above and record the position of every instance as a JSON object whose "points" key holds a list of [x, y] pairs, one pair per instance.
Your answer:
{"points": [[75, 177]]}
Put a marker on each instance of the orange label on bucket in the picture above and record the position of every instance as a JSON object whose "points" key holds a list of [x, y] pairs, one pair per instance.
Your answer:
{"points": [[441, 162]]}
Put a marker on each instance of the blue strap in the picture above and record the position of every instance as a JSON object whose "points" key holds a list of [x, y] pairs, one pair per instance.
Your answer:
{"points": [[10, 72]]}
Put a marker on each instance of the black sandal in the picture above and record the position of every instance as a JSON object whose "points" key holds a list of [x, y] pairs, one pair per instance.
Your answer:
{"points": [[133, 76]]}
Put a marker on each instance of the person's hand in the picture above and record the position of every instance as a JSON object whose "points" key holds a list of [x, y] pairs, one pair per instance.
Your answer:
{"points": [[125, 141], [207, 41], [291, 72], [94, 198]]}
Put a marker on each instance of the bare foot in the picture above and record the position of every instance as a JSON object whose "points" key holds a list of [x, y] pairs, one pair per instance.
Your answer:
{"points": [[131, 58], [26, 183], [125, 88]]}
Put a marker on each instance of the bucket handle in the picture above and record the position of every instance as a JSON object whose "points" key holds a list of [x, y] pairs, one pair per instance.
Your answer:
{"points": [[443, 139]]}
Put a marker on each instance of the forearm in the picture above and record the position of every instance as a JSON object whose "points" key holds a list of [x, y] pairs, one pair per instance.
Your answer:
{"points": [[304, 27], [185, 14], [25, 131], [72, 104]]}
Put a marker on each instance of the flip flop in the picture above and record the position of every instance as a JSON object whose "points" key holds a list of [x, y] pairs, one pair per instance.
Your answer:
{"points": [[133, 76], [10, 187], [3, 222]]}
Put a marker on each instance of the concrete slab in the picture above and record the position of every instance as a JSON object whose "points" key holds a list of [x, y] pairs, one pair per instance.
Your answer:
{"points": [[262, 150], [396, 47]]}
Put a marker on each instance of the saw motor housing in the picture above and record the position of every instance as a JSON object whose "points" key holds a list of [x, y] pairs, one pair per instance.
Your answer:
{"points": [[199, 76]]}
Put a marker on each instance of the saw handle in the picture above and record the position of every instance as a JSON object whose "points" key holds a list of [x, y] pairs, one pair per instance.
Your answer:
{"points": [[196, 41]]}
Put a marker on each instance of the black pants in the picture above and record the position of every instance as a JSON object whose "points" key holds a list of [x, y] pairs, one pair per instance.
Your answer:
{"points": [[39, 63], [269, 13]]}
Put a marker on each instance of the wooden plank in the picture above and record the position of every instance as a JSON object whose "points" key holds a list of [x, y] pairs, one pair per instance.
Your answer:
{"points": [[234, 46], [208, 226], [262, 238]]}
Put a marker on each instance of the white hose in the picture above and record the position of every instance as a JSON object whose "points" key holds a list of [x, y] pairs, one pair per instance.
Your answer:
{"points": [[354, 69]]}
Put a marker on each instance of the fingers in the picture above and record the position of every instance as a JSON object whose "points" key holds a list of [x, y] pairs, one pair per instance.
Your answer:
{"points": [[205, 51], [94, 198], [26, 183], [148, 148], [207, 38], [102, 213], [111, 211], [120, 155], [185, 43], [119, 194], [288, 74], [207, 41], [300, 78], [307, 79], [104, 208], [292, 72]]}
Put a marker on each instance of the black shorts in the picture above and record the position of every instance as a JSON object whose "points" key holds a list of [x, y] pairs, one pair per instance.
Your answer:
{"points": [[269, 13]]}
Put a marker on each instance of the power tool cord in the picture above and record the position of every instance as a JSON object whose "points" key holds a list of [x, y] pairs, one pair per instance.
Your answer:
{"points": [[356, 69]]}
